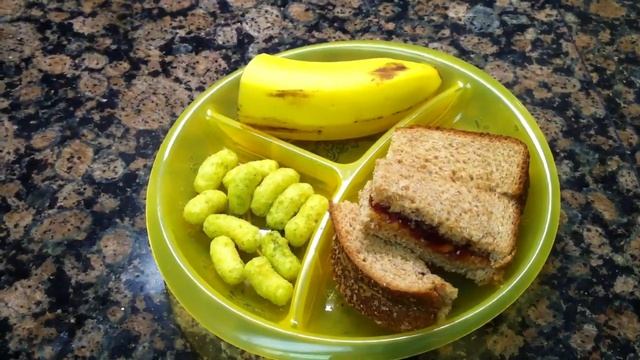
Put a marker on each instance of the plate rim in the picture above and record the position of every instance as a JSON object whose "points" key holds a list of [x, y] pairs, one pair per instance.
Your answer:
{"points": [[491, 307]]}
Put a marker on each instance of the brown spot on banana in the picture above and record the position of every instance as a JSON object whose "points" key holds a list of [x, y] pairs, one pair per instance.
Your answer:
{"points": [[388, 71], [395, 113], [290, 94], [256, 120], [403, 110], [267, 128], [367, 120]]}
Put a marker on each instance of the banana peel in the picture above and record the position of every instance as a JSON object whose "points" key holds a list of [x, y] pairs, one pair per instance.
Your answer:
{"points": [[303, 100]]}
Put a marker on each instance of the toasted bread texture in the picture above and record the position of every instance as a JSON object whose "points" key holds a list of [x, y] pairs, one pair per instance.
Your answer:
{"points": [[475, 268], [383, 281], [483, 161]]}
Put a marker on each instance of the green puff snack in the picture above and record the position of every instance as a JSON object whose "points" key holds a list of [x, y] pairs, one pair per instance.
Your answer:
{"points": [[299, 229], [264, 167], [240, 189], [275, 248], [213, 170], [242, 232], [272, 186], [204, 204], [226, 260], [267, 282], [287, 204]]}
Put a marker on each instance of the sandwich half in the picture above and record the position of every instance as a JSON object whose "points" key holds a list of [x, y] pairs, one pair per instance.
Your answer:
{"points": [[454, 197], [382, 280], [475, 238]]}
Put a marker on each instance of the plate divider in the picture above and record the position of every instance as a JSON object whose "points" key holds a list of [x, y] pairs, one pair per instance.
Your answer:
{"points": [[232, 127], [434, 111]]}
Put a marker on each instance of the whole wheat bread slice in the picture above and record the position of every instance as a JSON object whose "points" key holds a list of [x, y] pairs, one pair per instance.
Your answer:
{"points": [[478, 160], [383, 281], [475, 268], [485, 221]]}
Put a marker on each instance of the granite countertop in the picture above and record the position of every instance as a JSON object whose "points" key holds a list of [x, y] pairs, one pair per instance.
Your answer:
{"points": [[89, 89]]}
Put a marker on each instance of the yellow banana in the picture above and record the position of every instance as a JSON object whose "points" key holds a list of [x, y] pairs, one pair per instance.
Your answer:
{"points": [[304, 100]]}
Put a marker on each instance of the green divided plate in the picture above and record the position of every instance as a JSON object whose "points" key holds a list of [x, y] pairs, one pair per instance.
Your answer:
{"points": [[317, 323]]}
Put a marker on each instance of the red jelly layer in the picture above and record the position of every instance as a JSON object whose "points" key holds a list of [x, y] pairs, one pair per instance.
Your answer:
{"points": [[430, 236]]}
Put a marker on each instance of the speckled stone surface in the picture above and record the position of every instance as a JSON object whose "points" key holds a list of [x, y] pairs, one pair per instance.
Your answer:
{"points": [[88, 90]]}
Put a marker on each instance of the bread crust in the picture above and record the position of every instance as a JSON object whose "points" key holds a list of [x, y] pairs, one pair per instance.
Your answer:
{"points": [[389, 307]]}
